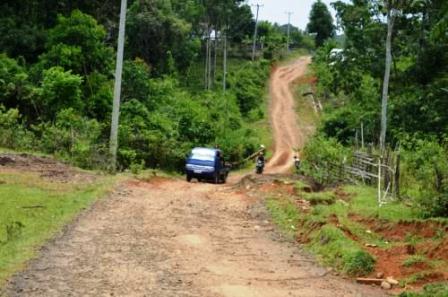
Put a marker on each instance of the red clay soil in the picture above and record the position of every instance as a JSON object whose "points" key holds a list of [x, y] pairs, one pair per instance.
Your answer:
{"points": [[402, 229], [439, 251], [390, 261]]}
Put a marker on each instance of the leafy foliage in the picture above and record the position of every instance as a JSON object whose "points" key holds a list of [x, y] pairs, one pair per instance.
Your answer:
{"points": [[321, 22], [321, 154], [56, 80], [426, 176], [350, 85]]}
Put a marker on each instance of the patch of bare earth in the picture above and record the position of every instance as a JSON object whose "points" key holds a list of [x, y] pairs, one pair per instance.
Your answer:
{"points": [[172, 238], [45, 167]]}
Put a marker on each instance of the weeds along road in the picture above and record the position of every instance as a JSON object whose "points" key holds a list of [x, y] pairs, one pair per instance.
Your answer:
{"points": [[173, 238]]}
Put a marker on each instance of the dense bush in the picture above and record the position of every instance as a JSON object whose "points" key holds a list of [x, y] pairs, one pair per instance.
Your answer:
{"points": [[13, 133], [74, 138], [321, 155], [59, 90], [248, 85], [60, 100], [425, 176]]}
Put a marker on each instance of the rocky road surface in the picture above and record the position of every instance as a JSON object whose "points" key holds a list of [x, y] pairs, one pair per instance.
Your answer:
{"points": [[173, 238]]}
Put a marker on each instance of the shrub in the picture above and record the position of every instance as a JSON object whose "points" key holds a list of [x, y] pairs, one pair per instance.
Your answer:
{"points": [[358, 263], [425, 176], [74, 138], [59, 90], [322, 154], [247, 85], [12, 133]]}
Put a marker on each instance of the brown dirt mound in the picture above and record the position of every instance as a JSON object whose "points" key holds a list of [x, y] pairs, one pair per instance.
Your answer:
{"points": [[47, 168]]}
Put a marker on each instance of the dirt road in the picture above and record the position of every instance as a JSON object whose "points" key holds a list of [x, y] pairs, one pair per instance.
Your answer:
{"points": [[287, 135], [172, 238]]}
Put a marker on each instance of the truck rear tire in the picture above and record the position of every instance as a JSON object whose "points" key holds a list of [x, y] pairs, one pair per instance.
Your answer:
{"points": [[188, 178]]}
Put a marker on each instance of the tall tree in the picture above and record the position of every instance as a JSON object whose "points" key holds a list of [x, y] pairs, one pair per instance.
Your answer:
{"points": [[321, 22]]}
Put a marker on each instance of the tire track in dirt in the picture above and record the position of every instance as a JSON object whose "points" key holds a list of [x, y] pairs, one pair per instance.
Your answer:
{"points": [[287, 135]]}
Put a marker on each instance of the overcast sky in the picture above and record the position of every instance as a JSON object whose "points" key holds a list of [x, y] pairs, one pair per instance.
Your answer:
{"points": [[275, 11]]}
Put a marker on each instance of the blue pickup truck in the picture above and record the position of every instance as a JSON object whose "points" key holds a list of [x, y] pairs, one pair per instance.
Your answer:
{"points": [[206, 164]]}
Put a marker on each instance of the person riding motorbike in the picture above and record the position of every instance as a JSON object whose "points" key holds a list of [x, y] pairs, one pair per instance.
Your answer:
{"points": [[297, 164], [260, 163]]}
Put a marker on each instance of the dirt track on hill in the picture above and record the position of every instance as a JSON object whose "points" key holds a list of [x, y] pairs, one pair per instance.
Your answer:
{"points": [[287, 135], [172, 238]]}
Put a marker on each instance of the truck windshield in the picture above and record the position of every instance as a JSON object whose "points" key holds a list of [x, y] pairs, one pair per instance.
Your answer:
{"points": [[203, 155]]}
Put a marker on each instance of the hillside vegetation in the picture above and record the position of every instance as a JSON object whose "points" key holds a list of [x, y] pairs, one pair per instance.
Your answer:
{"points": [[350, 84], [56, 79]]}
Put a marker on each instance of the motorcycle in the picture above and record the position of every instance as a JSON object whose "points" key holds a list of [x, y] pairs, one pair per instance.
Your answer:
{"points": [[259, 166]]}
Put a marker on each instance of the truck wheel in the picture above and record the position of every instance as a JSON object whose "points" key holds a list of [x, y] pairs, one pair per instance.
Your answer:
{"points": [[188, 178]]}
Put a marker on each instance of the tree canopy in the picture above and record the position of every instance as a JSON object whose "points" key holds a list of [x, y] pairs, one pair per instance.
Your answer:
{"points": [[320, 22]]}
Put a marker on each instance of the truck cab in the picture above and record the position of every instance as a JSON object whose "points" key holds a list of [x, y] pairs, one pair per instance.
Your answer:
{"points": [[206, 164]]}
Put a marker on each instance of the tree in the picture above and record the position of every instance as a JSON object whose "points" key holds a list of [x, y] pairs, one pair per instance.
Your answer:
{"points": [[320, 23], [153, 30], [77, 43], [59, 90]]}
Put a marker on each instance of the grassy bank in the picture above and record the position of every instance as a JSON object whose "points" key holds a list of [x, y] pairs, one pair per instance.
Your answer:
{"points": [[34, 208], [345, 229]]}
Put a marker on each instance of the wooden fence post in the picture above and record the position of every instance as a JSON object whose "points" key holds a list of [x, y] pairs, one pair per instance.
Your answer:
{"points": [[397, 176]]}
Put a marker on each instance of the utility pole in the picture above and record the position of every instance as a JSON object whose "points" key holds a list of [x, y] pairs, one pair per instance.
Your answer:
{"points": [[255, 31], [385, 95], [117, 88], [289, 13], [224, 75]]}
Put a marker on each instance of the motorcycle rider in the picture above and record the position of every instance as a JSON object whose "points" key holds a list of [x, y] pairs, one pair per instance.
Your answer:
{"points": [[297, 163], [260, 163]]}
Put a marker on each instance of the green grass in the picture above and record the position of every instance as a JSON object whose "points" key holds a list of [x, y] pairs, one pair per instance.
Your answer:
{"points": [[325, 198], [337, 250], [415, 260], [365, 203], [339, 241], [284, 214], [33, 209], [433, 290], [331, 245]]}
